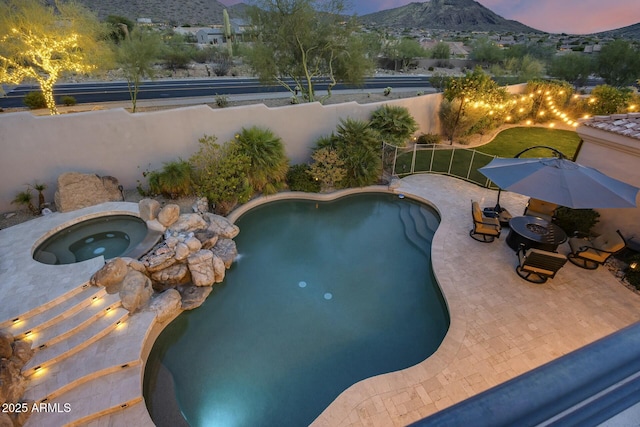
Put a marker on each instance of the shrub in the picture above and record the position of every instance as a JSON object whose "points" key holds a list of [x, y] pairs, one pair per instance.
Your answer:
{"points": [[68, 100], [221, 173], [429, 138], [358, 146], [174, 180], [299, 179], [327, 168], [394, 124], [387, 91], [633, 277], [269, 163], [35, 100], [576, 220], [222, 101], [24, 199]]}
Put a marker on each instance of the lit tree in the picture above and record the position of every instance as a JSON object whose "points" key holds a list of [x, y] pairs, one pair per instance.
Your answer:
{"points": [[42, 43], [303, 40], [475, 89]]}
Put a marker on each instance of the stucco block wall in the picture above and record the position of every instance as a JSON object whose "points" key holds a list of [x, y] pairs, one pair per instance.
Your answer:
{"points": [[118, 143], [619, 157]]}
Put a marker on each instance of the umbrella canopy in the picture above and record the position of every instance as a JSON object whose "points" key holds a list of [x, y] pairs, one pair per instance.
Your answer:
{"points": [[560, 181]]}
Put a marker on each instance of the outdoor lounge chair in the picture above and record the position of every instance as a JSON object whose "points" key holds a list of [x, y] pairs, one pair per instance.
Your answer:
{"points": [[537, 266], [541, 209], [484, 229], [589, 253]]}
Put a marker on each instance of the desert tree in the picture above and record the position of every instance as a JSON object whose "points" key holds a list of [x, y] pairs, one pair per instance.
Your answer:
{"points": [[299, 41], [618, 63], [574, 68], [137, 55], [41, 43]]}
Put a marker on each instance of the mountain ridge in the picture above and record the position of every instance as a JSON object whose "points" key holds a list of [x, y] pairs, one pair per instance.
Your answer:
{"points": [[467, 15]]}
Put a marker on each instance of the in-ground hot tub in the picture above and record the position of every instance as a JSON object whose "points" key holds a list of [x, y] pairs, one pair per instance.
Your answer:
{"points": [[109, 236]]}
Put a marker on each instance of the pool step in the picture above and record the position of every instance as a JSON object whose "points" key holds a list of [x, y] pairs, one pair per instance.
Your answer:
{"points": [[91, 400], [46, 312], [76, 342], [414, 234]]}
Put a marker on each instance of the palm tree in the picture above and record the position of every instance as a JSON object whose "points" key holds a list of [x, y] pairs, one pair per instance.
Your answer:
{"points": [[269, 163], [24, 199], [40, 189], [359, 148], [394, 123]]}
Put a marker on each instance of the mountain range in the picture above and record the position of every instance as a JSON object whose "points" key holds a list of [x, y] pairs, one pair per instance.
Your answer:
{"points": [[467, 15], [464, 15]]}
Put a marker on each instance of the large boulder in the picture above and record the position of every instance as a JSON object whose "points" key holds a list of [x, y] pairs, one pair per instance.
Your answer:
{"points": [[187, 223], [169, 214], [6, 341], [221, 226], [166, 304], [159, 260], [110, 275], [5, 420], [193, 296], [201, 268], [12, 383], [174, 275], [79, 190], [219, 269], [135, 291], [207, 238], [149, 209], [22, 352], [226, 250]]}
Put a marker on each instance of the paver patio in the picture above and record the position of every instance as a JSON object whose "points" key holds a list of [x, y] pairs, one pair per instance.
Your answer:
{"points": [[501, 325]]}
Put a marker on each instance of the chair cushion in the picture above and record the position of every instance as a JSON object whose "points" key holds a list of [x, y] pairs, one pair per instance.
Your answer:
{"points": [[477, 213], [610, 242]]}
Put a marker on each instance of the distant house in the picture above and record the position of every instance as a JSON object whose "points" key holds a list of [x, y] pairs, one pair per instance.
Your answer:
{"points": [[214, 36]]}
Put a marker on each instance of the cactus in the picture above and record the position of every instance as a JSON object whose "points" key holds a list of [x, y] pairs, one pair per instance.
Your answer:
{"points": [[227, 31]]}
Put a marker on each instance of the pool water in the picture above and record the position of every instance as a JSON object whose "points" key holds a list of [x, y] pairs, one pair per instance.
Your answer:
{"points": [[109, 236], [321, 296]]}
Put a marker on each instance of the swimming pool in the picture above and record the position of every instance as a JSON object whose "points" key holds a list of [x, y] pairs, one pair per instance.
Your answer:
{"points": [[323, 295]]}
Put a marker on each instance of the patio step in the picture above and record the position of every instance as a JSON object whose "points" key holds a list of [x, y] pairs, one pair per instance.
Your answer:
{"points": [[72, 321], [91, 400], [133, 415], [76, 342], [45, 314], [81, 367]]}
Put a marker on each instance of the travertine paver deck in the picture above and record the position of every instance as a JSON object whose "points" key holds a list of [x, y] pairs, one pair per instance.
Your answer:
{"points": [[501, 325]]}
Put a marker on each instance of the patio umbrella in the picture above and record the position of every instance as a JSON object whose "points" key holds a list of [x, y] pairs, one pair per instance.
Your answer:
{"points": [[560, 181]]}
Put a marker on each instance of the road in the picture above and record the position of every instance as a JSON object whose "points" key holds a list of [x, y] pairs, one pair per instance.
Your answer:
{"points": [[96, 92]]}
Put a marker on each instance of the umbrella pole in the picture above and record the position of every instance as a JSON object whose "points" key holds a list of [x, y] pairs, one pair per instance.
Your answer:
{"points": [[498, 208]]}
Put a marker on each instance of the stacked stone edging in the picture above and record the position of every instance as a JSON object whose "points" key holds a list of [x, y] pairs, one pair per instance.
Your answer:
{"points": [[179, 272], [14, 354]]}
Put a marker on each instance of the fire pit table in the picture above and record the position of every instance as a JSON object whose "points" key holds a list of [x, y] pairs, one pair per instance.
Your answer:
{"points": [[534, 232]]}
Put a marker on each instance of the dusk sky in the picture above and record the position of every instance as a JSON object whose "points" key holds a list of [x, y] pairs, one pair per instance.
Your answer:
{"points": [[555, 16]]}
